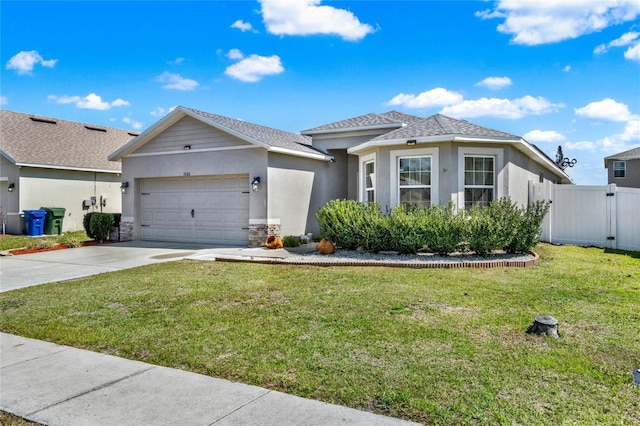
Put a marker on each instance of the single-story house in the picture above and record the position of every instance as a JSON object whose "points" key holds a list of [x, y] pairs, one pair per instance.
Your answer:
{"points": [[48, 162], [623, 168], [200, 177]]}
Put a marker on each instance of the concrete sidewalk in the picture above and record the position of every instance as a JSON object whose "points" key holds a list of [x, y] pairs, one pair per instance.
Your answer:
{"points": [[60, 385]]}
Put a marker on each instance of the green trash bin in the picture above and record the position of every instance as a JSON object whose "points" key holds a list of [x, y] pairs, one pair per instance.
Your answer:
{"points": [[53, 221]]}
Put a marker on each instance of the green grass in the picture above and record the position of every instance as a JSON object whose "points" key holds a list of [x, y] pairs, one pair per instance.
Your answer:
{"points": [[11, 242], [435, 346]]}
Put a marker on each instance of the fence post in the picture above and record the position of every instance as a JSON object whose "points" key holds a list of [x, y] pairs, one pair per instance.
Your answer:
{"points": [[612, 214]]}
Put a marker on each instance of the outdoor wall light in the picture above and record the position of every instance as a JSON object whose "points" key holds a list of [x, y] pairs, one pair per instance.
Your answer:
{"points": [[124, 187], [255, 182], [11, 187], [186, 147], [411, 142]]}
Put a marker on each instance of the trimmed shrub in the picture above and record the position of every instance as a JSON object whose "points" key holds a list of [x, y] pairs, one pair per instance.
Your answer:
{"points": [[529, 228], [407, 229], [100, 225], [445, 230], [492, 227], [350, 225], [86, 221], [290, 241]]}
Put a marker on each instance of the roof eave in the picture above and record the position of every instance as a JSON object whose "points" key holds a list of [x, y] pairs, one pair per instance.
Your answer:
{"points": [[318, 156], [77, 169]]}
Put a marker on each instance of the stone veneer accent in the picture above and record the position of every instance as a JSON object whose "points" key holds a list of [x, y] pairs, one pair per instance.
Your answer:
{"points": [[261, 229], [126, 230]]}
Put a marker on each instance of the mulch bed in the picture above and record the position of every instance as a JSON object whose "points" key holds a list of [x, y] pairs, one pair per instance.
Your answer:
{"points": [[56, 247]]}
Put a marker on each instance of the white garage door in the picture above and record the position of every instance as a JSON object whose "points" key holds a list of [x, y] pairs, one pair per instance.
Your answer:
{"points": [[200, 210]]}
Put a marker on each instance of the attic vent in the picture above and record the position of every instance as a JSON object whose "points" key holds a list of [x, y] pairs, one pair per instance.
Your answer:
{"points": [[97, 129], [43, 120], [133, 134]]}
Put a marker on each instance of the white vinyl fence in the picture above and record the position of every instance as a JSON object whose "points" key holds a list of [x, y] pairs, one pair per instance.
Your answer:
{"points": [[602, 216]]}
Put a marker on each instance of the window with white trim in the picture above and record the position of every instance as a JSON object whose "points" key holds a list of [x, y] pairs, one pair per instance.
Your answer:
{"points": [[414, 181], [369, 182], [619, 169], [479, 180]]}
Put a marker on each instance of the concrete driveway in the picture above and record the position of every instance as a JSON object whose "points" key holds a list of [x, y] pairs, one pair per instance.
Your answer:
{"points": [[62, 265]]}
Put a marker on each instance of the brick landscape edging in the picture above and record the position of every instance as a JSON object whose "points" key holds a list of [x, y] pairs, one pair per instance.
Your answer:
{"points": [[480, 264]]}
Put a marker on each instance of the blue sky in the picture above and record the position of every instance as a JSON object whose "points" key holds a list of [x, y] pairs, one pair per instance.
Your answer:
{"points": [[556, 72]]}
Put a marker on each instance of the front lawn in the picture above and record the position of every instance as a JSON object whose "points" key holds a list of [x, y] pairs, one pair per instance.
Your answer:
{"points": [[438, 346]]}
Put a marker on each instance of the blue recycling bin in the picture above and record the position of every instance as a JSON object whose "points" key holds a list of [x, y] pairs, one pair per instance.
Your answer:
{"points": [[35, 221]]}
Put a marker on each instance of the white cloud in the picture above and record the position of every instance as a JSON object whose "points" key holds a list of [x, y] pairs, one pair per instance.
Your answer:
{"points": [[633, 53], [306, 17], [160, 112], [137, 125], [551, 21], [631, 130], [91, 101], [544, 136], [495, 83], [3, 100], [254, 67], [23, 62], [430, 98], [625, 39], [567, 68], [606, 109], [176, 81], [235, 54], [177, 61], [242, 26], [581, 146], [501, 108], [119, 102]]}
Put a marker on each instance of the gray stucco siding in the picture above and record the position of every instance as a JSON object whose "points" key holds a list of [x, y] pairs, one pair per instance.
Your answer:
{"points": [[343, 141], [39, 187], [189, 131], [632, 174], [512, 174], [298, 187]]}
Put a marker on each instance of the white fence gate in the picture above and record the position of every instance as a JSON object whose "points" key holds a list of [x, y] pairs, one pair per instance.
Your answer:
{"points": [[603, 216]]}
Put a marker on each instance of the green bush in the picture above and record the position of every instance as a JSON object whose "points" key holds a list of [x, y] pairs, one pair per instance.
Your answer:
{"points": [[501, 225], [290, 241], [445, 230], [86, 223], [100, 225], [407, 229], [529, 228]]}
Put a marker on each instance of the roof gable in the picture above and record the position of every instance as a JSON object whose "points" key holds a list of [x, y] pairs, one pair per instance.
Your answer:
{"points": [[263, 136], [631, 154], [30, 140]]}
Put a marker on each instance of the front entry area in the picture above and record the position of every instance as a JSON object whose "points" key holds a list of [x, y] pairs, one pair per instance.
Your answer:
{"points": [[207, 210]]}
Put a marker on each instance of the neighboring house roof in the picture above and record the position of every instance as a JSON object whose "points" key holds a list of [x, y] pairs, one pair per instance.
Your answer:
{"points": [[31, 140], [266, 137], [632, 154], [387, 120], [441, 125]]}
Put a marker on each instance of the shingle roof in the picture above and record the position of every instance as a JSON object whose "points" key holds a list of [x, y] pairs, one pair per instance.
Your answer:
{"points": [[31, 139], [441, 125], [631, 154], [386, 120], [267, 135]]}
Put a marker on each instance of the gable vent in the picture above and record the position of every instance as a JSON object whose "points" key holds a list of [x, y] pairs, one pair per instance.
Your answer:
{"points": [[97, 129], [43, 120]]}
